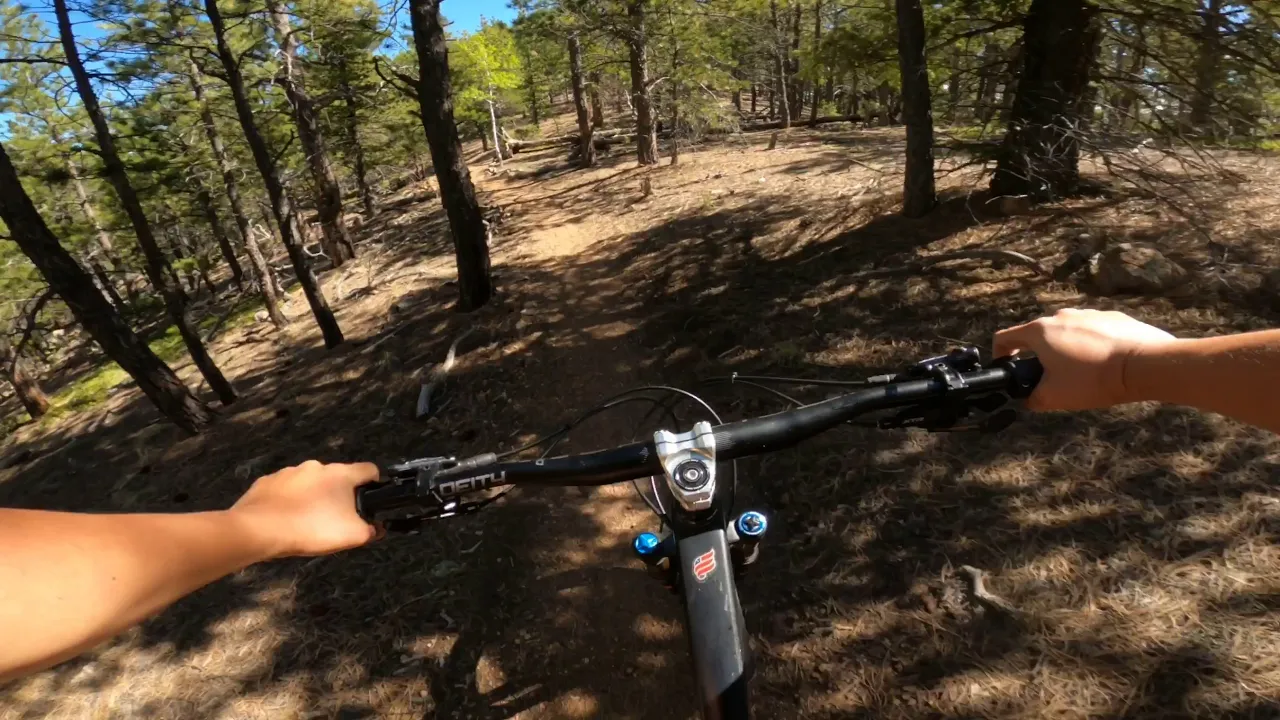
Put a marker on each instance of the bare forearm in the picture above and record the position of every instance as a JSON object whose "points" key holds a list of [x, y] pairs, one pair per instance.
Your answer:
{"points": [[70, 581], [1237, 376]]}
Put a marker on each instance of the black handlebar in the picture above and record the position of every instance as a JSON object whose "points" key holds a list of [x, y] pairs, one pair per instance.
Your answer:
{"points": [[438, 483]]}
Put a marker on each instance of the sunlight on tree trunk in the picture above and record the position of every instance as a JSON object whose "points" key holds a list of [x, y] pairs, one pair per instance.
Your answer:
{"points": [[435, 97]]}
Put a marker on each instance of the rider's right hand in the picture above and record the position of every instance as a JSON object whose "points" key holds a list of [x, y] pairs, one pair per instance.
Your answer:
{"points": [[1084, 353]]}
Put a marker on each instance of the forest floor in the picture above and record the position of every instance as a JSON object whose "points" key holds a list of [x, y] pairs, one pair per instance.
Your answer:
{"points": [[1138, 546]]}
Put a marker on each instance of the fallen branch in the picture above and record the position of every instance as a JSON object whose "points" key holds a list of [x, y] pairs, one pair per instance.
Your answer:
{"points": [[436, 377], [995, 256], [925, 264], [979, 594]]}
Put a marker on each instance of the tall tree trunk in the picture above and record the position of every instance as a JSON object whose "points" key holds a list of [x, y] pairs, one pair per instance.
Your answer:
{"points": [[955, 93], [435, 97], [500, 149], [637, 52], [91, 309], [919, 196], [210, 211], [817, 41], [1208, 68], [753, 99], [265, 279], [597, 107], [795, 88], [586, 143], [780, 63], [1041, 152], [352, 117], [133, 208], [186, 287], [105, 243], [337, 241], [286, 216], [1009, 77], [1126, 103], [1089, 96], [103, 279], [988, 81]]}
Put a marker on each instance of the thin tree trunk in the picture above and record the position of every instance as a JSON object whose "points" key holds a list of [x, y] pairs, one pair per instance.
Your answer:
{"points": [[919, 195], [91, 309], [597, 107], [586, 145], [1009, 78], [780, 66], [265, 279], [337, 241], [794, 86], [133, 208], [1208, 68], [1041, 152], [1127, 102], [753, 99], [954, 91], [187, 286], [499, 150], [987, 83], [637, 53], [105, 243], [282, 208], [352, 117], [435, 96], [104, 281], [817, 40], [205, 201]]}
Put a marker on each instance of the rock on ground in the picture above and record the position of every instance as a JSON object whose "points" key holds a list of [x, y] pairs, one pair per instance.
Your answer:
{"points": [[1134, 268]]}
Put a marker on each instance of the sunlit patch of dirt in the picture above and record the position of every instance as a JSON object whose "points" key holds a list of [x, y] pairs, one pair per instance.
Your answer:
{"points": [[1136, 547]]}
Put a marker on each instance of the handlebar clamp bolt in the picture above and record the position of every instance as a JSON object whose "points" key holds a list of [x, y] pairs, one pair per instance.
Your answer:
{"points": [[647, 545], [752, 524]]}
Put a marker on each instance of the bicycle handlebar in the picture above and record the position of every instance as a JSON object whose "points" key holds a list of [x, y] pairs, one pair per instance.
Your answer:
{"points": [[1015, 377]]}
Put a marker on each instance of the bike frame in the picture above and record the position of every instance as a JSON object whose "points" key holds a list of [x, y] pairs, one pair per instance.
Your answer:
{"points": [[718, 641]]}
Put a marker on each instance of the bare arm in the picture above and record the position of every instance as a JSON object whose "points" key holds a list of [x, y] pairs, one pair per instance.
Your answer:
{"points": [[1098, 359], [69, 581]]}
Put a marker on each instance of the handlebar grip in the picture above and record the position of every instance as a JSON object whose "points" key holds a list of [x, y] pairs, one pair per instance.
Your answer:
{"points": [[362, 500], [1025, 374], [375, 498]]}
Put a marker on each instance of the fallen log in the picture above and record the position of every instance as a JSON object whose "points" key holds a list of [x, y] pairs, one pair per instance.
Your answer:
{"points": [[607, 137], [777, 124], [519, 146]]}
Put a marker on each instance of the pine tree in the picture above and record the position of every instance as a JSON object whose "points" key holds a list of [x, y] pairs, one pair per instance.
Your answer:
{"points": [[91, 309], [435, 95], [119, 179], [282, 208]]}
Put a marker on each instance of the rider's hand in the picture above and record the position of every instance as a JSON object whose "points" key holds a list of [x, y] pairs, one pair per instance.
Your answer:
{"points": [[308, 509], [1084, 353]]}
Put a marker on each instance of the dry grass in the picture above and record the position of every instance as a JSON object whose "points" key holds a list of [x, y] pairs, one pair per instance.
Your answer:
{"points": [[1137, 547]]}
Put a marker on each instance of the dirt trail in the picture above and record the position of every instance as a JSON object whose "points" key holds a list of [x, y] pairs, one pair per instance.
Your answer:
{"points": [[1142, 540]]}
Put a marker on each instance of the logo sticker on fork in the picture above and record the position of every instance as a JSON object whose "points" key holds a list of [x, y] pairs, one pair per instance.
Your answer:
{"points": [[704, 565]]}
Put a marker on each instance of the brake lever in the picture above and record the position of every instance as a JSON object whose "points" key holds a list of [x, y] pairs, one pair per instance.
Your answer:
{"points": [[946, 415]]}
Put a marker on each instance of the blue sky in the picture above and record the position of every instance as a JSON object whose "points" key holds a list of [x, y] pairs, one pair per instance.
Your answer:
{"points": [[465, 14]]}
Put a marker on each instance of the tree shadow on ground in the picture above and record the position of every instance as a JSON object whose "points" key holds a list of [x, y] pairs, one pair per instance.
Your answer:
{"points": [[1110, 531]]}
